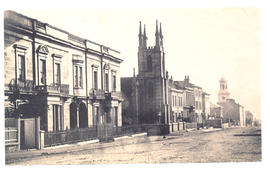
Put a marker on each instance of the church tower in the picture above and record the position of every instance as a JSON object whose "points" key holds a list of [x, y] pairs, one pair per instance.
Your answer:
{"points": [[153, 87], [223, 93]]}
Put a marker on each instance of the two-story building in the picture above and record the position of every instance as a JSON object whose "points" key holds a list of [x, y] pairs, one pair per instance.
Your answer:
{"points": [[69, 81]]}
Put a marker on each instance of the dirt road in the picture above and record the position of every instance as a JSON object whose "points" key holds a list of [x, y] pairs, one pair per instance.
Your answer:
{"points": [[229, 145]]}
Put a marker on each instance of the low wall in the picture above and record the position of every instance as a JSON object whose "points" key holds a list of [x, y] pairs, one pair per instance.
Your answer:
{"points": [[217, 123], [225, 125], [192, 125], [156, 129]]}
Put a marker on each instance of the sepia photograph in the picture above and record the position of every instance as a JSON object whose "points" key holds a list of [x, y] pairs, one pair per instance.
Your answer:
{"points": [[95, 86]]}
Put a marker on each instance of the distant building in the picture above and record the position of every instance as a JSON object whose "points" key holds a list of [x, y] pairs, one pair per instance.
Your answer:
{"points": [[249, 118], [206, 105], [233, 112], [216, 112]]}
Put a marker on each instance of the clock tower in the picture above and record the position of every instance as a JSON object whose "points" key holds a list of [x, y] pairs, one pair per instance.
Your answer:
{"points": [[223, 93]]}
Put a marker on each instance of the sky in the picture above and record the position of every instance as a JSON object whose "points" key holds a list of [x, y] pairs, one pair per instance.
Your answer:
{"points": [[204, 43]]}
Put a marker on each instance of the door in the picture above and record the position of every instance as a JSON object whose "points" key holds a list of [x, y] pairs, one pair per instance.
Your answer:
{"points": [[28, 133]]}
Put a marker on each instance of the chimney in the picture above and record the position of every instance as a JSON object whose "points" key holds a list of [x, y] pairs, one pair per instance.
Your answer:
{"points": [[186, 79]]}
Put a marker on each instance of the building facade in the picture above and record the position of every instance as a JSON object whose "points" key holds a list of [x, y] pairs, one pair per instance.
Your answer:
{"points": [[68, 81], [233, 112], [151, 97]]}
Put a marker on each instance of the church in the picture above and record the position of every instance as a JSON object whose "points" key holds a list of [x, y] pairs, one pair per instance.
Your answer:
{"points": [[233, 112], [153, 98]]}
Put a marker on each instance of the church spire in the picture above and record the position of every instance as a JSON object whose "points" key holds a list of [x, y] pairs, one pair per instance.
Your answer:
{"points": [[144, 37], [157, 35], [161, 36], [157, 28], [140, 35], [160, 30], [144, 32], [140, 29]]}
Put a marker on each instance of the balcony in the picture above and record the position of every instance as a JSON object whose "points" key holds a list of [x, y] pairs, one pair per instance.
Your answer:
{"points": [[115, 95], [26, 86], [62, 89], [97, 94]]}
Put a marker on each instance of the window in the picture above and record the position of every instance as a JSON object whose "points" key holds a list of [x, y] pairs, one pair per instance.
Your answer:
{"points": [[150, 90], [78, 78], [58, 118], [149, 63], [95, 80], [113, 81], [21, 67], [57, 73], [106, 83], [43, 71], [20, 64], [116, 116], [57, 68], [81, 78]]}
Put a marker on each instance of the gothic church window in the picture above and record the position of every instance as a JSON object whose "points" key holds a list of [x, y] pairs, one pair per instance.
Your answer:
{"points": [[150, 90], [149, 63]]}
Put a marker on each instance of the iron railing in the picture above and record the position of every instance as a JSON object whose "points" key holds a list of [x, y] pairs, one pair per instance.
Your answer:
{"points": [[84, 134], [97, 94], [24, 86], [54, 88], [69, 136]]}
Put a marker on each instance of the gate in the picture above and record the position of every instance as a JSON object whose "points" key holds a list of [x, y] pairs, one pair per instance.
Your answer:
{"points": [[29, 133], [105, 132]]}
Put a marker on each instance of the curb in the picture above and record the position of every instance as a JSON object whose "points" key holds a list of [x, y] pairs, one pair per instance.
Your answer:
{"points": [[132, 136], [139, 134]]}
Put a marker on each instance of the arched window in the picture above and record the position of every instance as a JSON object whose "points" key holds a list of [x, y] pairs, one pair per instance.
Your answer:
{"points": [[149, 63], [150, 90]]}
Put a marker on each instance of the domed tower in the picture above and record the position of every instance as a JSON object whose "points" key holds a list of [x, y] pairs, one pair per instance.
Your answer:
{"points": [[223, 93]]}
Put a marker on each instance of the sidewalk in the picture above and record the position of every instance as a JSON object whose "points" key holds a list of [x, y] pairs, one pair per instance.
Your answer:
{"points": [[11, 157], [69, 148]]}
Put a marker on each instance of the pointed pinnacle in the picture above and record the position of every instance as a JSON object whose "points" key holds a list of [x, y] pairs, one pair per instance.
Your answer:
{"points": [[156, 26], [160, 30], [140, 29], [144, 32]]}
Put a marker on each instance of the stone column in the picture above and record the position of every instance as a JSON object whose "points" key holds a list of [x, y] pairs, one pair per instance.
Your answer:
{"points": [[37, 132]]}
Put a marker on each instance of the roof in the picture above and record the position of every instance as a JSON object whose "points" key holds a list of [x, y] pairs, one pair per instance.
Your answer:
{"points": [[27, 21]]}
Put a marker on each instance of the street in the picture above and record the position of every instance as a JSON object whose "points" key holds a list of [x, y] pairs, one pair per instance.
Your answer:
{"points": [[223, 145]]}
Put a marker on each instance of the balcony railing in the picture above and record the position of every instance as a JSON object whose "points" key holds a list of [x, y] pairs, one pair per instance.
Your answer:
{"points": [[116, 95], [96, 94], [23, 86], [54, 88]]}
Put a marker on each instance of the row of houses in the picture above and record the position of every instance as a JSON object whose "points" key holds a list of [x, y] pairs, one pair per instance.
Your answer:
{"points": [[69, 82]]}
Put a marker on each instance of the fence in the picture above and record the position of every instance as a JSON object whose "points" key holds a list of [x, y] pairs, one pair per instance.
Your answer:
{"points": [[192, 125], [12, 134], [83, 134], [127, 130], [69, 136]]}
